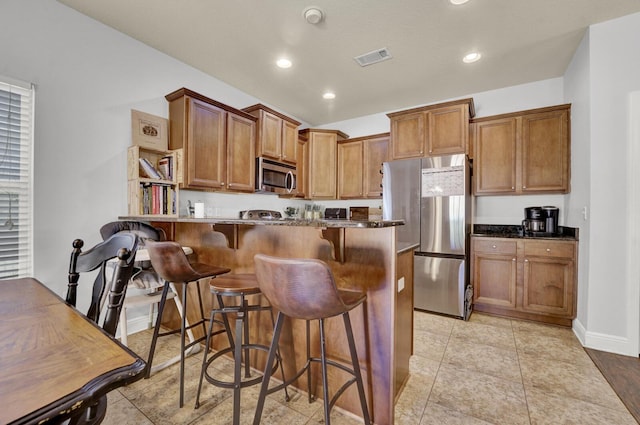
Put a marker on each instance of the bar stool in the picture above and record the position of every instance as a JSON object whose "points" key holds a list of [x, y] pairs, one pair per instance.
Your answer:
{"points": [[170, 262], [242, 286], [305, 289]]}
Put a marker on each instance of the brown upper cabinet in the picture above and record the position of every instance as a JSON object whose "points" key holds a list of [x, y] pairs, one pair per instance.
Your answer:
{"points": [[320, 159], [433, 130], [277, 134], [359, 166], [523, 152], [218, 142]]}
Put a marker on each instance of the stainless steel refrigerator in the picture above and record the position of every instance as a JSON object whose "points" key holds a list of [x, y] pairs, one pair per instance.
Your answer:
{"points": [[432, 196]]}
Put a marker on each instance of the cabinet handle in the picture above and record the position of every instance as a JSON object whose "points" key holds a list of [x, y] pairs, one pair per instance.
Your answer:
{"points": [[513, 259], [524, 187], [493, 246], [513, 188], [548, 249], [526, 261]]}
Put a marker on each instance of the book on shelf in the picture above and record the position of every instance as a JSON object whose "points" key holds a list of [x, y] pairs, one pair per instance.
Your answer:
{"points": [[165, 166], [157, 199], [149, 169]]}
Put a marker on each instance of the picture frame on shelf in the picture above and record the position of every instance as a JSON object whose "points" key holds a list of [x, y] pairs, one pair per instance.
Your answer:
{"points": [[149, 131]]}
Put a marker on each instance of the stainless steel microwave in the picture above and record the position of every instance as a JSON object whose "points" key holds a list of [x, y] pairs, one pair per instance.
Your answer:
{"points": [[275, 177]]}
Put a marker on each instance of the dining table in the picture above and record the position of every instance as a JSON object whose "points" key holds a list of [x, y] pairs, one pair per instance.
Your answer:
{"points": [[54, 361]]}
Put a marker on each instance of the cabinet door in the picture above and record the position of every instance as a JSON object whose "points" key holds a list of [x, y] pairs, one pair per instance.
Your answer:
{"points": [[545, 152], [350, 170], [375, 152], [548, 285], [289, 142], [270, 135], [322, 165], [205, 147], [495, 156], [549, 278], [240, 154], [448, 130], [408, 133], [494, 269]]}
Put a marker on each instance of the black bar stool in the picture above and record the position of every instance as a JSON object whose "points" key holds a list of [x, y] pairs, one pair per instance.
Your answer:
{"points": [[171, 264], [305, 289], [238, 286]]}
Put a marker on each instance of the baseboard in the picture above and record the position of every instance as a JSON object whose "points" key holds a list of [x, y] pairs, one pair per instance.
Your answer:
{"points": [[609, 343], [136, 324]]}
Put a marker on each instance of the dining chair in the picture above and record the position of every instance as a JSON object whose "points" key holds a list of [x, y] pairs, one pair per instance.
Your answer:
{"points": [[146, 282], [122, 246]]}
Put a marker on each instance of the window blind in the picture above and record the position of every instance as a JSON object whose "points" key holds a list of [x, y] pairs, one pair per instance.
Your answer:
{"points": [[16, 179]]}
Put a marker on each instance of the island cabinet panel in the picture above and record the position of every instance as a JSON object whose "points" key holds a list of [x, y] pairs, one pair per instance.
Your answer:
{"points": [[382, 326], [533, 279], [277, 134], [218, 142], [434, 130], [524, 152]]}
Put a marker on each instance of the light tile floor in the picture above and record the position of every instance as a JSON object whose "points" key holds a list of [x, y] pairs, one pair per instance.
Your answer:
{"points": [[485, 371]]}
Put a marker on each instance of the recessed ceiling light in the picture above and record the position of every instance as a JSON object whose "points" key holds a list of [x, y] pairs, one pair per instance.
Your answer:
{"points": [[329, 95], [457, 2], [283, 63], [471, 57]]}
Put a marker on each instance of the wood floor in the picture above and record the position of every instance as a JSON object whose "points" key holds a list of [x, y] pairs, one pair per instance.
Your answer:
{"points": [[623, 374]]}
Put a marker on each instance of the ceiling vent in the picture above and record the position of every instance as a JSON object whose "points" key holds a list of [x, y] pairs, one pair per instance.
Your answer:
{"points": [[373, 57]]}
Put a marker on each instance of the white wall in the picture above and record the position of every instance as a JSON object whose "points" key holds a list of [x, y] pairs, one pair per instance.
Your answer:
{"points": [[578, 93], [613, 295], [88, 78]]}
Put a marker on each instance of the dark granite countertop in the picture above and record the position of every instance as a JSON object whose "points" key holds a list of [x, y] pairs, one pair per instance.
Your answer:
{"points": [[515, 231], [275, 222]]}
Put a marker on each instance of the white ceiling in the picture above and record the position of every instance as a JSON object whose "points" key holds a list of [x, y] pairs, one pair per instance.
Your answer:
{"points": [[238, 42]]}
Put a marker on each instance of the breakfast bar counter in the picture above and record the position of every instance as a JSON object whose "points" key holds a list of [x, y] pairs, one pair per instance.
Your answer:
{"points": [[362, 255]]}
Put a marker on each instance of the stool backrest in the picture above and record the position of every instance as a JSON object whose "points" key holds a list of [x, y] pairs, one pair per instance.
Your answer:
{"points": [[301, 288], [169, 261]]}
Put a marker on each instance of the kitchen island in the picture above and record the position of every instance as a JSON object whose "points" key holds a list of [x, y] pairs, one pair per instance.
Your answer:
{"points": [[362, 255]]}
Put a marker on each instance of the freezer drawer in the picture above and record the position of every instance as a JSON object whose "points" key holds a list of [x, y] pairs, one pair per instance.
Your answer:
{"points": [[439, 285]]}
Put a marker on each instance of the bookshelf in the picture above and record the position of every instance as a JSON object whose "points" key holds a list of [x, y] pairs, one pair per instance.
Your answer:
{"points": [[149, 195]]}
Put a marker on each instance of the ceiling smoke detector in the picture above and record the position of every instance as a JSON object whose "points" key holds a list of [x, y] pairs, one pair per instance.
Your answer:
{"points": [[373, 57], [313, 15]]}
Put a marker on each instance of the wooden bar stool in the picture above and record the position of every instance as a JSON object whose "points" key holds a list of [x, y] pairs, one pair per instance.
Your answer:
{"points": [[305, 289], [237, 286], [171, 264]]}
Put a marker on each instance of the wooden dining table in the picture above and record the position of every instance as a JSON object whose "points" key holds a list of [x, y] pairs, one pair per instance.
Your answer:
{"points": [[54, 361]]}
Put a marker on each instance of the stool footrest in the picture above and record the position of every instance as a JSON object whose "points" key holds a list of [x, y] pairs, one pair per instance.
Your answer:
{"points": [[229, 384]]}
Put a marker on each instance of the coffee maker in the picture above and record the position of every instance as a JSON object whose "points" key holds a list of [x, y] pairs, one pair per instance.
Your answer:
{"points": [[550, 216], [540, 220]]}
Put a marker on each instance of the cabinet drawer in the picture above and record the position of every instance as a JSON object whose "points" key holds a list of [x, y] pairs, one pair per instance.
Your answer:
{"points": [[549, 249], [496, 246]]}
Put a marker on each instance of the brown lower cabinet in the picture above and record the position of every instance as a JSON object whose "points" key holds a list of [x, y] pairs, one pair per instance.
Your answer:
{"points": [[532, 279]]}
